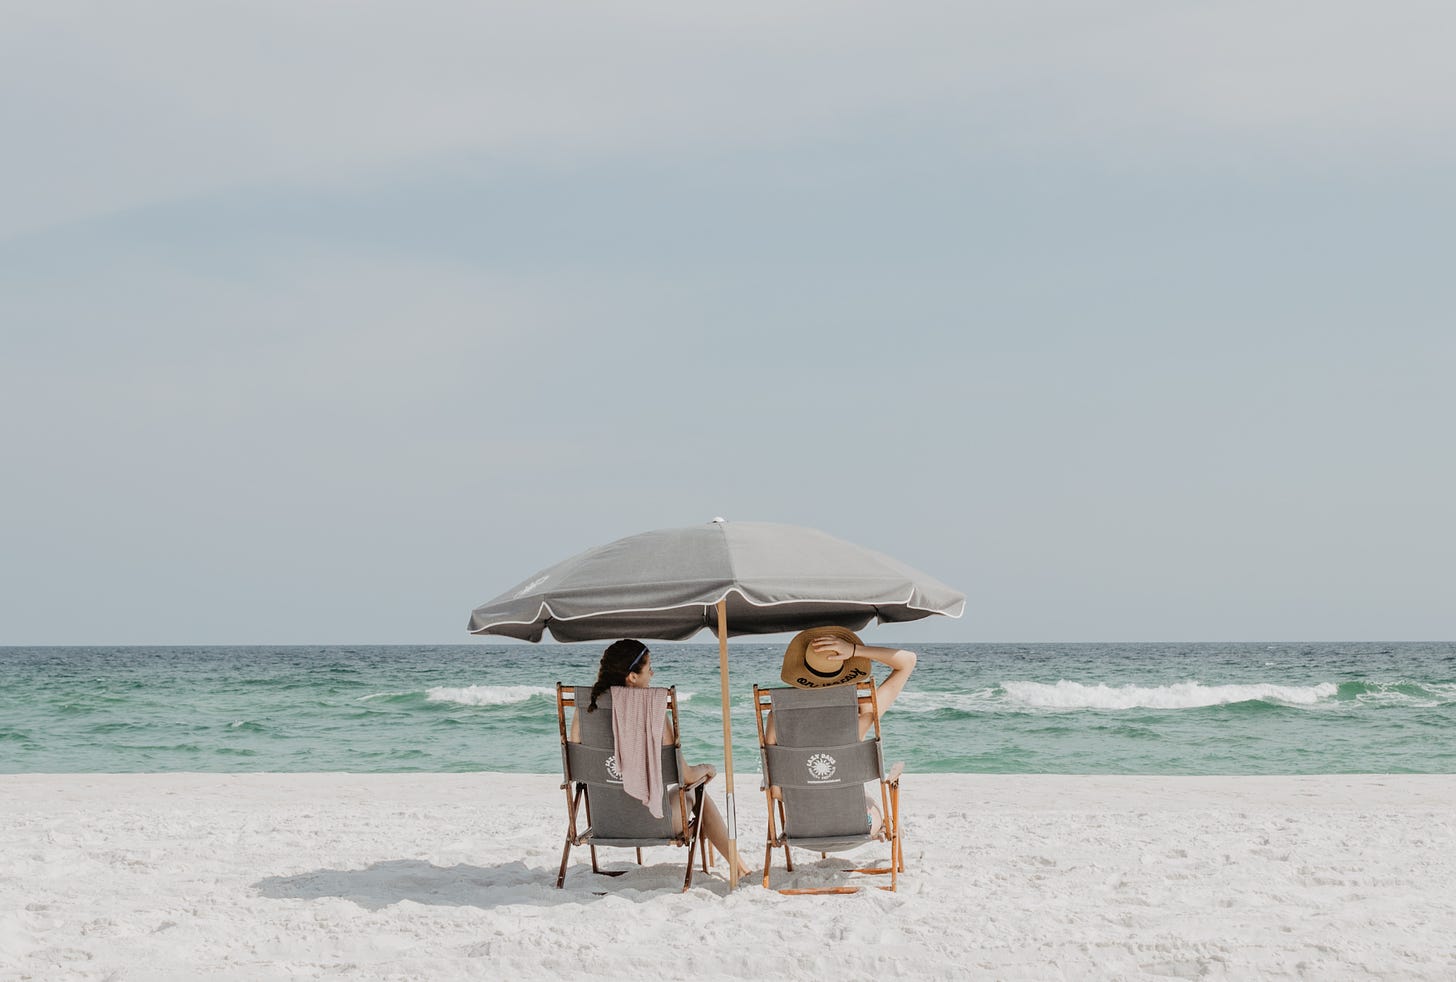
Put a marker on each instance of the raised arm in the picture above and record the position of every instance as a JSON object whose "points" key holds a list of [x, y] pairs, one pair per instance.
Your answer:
{"points": [[901, 662]]}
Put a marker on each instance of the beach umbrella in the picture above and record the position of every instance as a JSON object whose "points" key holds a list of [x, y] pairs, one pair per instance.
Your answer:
{"points": [[732, 578]]}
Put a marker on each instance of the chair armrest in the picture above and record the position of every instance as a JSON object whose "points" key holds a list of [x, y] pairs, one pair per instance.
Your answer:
{"points": [[700, 782], [895, 772]]}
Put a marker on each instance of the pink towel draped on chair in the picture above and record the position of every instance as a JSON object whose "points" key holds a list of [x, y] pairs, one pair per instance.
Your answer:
{"points": [[638, 716]]}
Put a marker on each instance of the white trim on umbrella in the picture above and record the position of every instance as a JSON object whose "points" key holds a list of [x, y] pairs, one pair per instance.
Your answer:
{"points": [[545, 608]]}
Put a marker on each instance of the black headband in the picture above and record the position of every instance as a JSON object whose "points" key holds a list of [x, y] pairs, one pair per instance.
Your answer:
{"points": [[640, 655]]}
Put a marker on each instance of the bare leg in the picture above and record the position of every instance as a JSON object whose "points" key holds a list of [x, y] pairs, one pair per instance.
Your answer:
{"points": [[717, 832], [714, 829]]}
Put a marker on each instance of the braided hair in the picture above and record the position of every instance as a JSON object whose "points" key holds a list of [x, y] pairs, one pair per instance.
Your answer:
{"points": [[620, 660]]}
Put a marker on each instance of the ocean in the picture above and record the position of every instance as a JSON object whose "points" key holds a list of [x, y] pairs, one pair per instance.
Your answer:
{"points": [[1244, 708]]}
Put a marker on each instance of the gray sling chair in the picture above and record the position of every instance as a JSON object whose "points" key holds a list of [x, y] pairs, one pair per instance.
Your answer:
{"points": [[821, 767], [615, 818]]}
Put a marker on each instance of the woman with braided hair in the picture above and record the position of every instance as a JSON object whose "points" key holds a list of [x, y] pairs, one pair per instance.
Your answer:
{"points": [[629, 663]]}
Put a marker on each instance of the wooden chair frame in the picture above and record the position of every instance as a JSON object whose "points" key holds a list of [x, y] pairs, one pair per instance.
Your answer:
{"points": [[865, 697], [576, 795]]}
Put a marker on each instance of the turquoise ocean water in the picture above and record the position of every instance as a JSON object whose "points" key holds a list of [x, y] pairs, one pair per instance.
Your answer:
{"points": [[1048, 708]]}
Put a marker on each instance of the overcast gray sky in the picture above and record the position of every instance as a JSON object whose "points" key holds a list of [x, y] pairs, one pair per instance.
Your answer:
{"points": [[325, 322]]}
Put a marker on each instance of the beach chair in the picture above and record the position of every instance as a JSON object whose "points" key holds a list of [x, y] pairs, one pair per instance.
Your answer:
{"points": [[592, 779], [821, 767]]}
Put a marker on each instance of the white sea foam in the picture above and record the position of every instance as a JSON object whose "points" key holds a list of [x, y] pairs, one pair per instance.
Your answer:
{"points": [[1183, 695], [488, 695], [1413, 695]]}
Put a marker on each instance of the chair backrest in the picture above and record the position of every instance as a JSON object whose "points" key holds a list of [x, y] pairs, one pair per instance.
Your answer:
{"points": [[821, 765], [614, 814]]}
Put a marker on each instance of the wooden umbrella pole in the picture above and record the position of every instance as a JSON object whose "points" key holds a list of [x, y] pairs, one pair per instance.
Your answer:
{"points": [[729, 815]]}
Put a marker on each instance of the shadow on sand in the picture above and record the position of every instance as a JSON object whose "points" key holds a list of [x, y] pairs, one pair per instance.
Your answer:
{"points": [[390, 882]]}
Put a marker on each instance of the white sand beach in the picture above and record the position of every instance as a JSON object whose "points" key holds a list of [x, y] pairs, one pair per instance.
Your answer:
{"points": [[434, 876]]}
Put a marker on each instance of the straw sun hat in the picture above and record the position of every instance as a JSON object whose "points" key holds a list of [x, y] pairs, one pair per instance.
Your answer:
{"points": [[805, 669]]}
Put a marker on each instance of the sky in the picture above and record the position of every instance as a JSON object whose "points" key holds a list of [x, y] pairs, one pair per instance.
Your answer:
{"points": [[323, 323]]}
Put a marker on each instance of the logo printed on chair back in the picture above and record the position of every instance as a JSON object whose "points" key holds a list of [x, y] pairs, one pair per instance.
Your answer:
{"points": [[822, 768], [613, 771]]}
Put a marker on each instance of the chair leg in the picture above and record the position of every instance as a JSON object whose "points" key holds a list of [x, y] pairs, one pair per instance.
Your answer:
{"points": [[693, 833], [561, 874], [784, 824], [896, 863], [639, 855], [572, 805], [769, 841], [899, 834], [595, 867], [705, 848]]}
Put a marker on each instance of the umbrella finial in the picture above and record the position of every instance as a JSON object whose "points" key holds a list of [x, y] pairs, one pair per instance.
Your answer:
{"points": [[719, 520]]}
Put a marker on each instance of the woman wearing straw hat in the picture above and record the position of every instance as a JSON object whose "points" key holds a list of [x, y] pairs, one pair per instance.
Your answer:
{"points": [[825, 656]]}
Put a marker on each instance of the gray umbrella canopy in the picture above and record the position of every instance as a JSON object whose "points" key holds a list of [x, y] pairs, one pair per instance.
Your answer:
{"points": [[667, 585]]}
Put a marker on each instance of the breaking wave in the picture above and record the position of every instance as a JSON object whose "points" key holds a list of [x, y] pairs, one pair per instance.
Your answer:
{"points": [[1183, 695], [488, 695]]}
